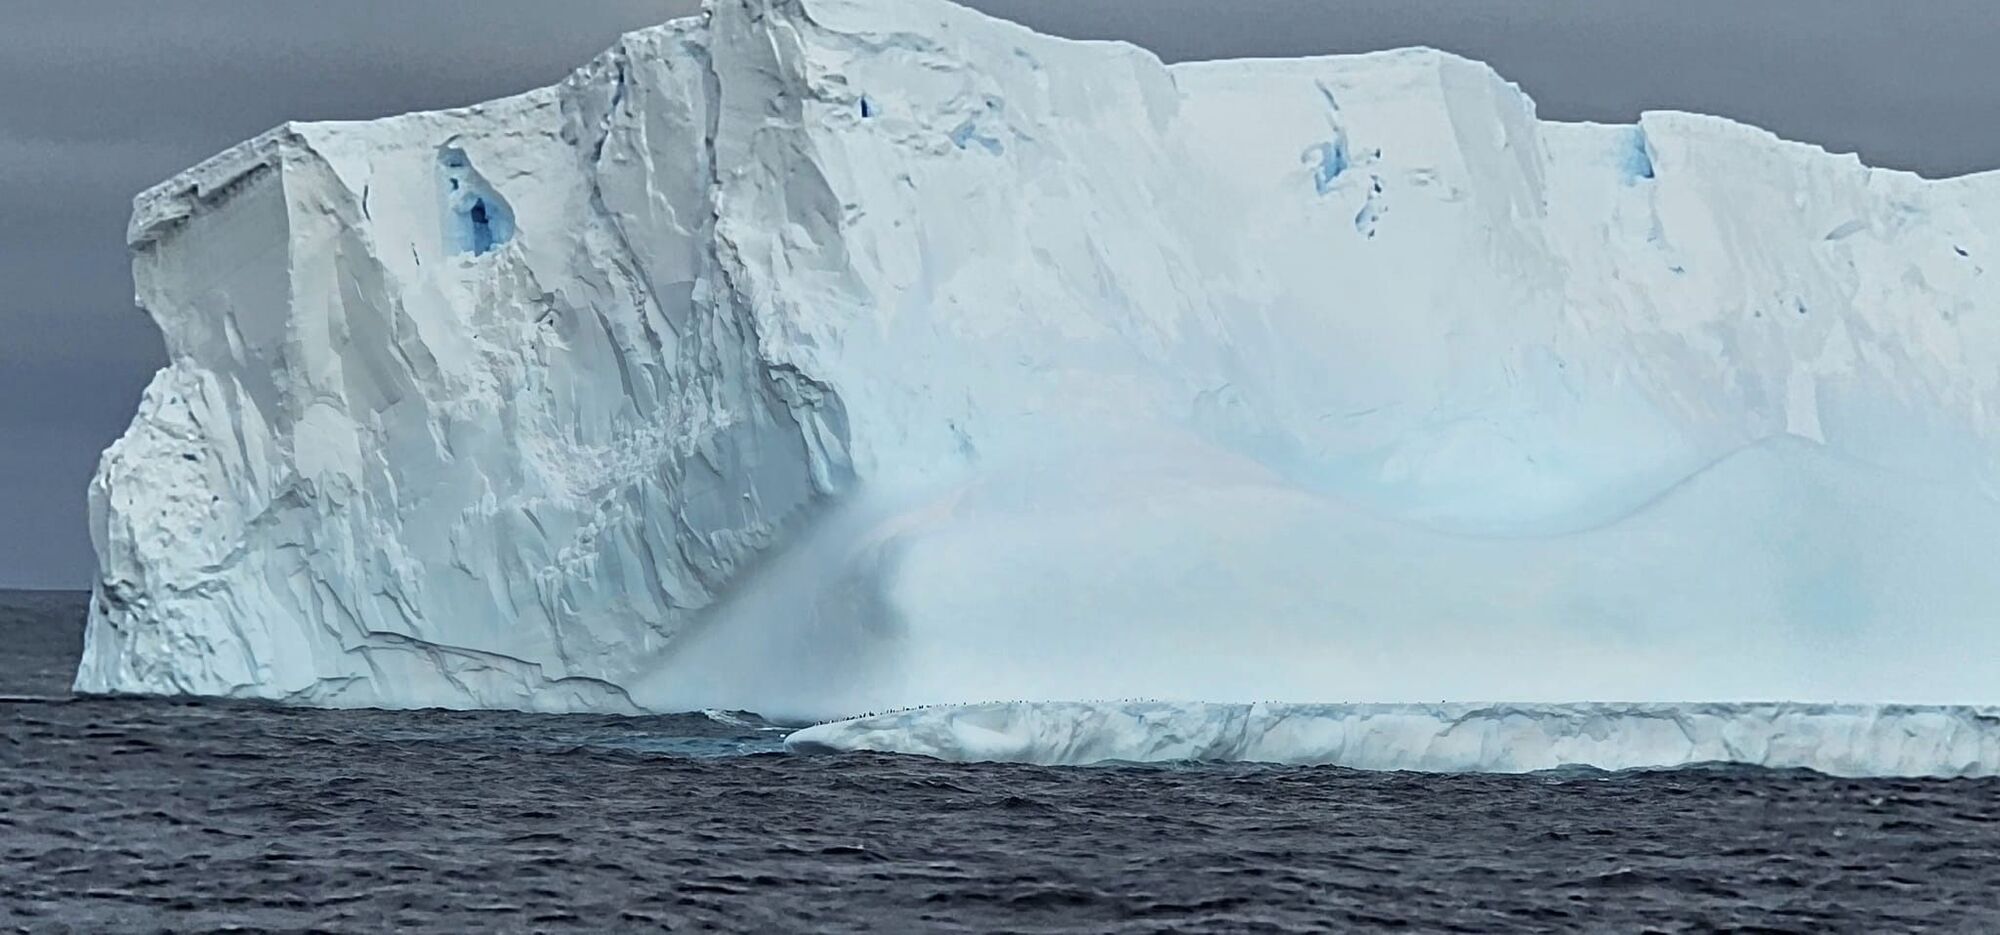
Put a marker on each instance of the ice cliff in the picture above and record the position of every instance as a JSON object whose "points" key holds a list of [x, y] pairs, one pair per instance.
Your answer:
{"points": [[822, 356]]}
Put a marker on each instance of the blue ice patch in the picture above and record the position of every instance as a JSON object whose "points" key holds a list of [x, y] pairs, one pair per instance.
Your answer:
{"points": [[476, 219], [1635, 163], [967, 133], [1332, 162]]}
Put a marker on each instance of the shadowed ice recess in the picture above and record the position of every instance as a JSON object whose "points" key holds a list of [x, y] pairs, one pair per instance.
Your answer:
{"points": [[818, 357]]}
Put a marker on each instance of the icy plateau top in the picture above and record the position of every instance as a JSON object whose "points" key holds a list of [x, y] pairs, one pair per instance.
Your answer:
{"points": [[821, 356]]}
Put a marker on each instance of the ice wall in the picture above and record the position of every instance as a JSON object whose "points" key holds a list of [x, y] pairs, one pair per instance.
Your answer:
{"points": [[817, 356], [1841, 740]]}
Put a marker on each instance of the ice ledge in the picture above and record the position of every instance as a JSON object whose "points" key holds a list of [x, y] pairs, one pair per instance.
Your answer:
{"points": [[165, 206], [1841, 740]]}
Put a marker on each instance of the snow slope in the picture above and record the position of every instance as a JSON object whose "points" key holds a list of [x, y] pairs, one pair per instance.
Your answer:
{"points": [[820, 356]]}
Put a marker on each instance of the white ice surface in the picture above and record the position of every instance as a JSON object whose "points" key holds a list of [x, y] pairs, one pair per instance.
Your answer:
{"points": [[821, 356], [1841, 740]]}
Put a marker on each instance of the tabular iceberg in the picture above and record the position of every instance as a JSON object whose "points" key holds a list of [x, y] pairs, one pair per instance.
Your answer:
{"points": [[821, 356]]}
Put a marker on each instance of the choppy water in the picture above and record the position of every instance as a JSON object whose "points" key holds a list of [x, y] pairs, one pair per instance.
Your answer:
{"points": [[138, 815]]}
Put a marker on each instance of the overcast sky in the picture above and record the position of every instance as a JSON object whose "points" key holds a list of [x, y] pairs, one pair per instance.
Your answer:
{"points": [[105, 97]]}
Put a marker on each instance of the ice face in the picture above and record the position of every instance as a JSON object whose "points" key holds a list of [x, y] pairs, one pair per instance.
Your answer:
{"points": [[823, 356], [1841, 740]]}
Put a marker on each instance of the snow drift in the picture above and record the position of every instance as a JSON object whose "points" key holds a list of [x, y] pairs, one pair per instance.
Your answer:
{"points": [[821, 356]]}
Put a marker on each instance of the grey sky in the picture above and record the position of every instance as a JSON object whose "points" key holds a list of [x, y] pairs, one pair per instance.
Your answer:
{"points": [[105, 97]]}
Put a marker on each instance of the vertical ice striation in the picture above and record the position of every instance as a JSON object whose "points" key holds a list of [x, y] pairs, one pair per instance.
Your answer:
{"points": [[814, 356]]}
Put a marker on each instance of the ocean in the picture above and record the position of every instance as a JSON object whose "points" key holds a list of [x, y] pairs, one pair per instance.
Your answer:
{"points": [[150, 815]]}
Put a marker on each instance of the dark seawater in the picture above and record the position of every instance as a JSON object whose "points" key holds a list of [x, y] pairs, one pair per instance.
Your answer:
{"points": [[158, 815]]}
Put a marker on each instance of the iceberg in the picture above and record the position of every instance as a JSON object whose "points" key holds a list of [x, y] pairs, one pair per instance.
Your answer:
{"points": [[1839, 740], [813, 357]]}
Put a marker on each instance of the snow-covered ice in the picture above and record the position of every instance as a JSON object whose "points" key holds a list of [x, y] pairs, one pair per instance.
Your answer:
{"points": [[1841, 740], [814, 357]]}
